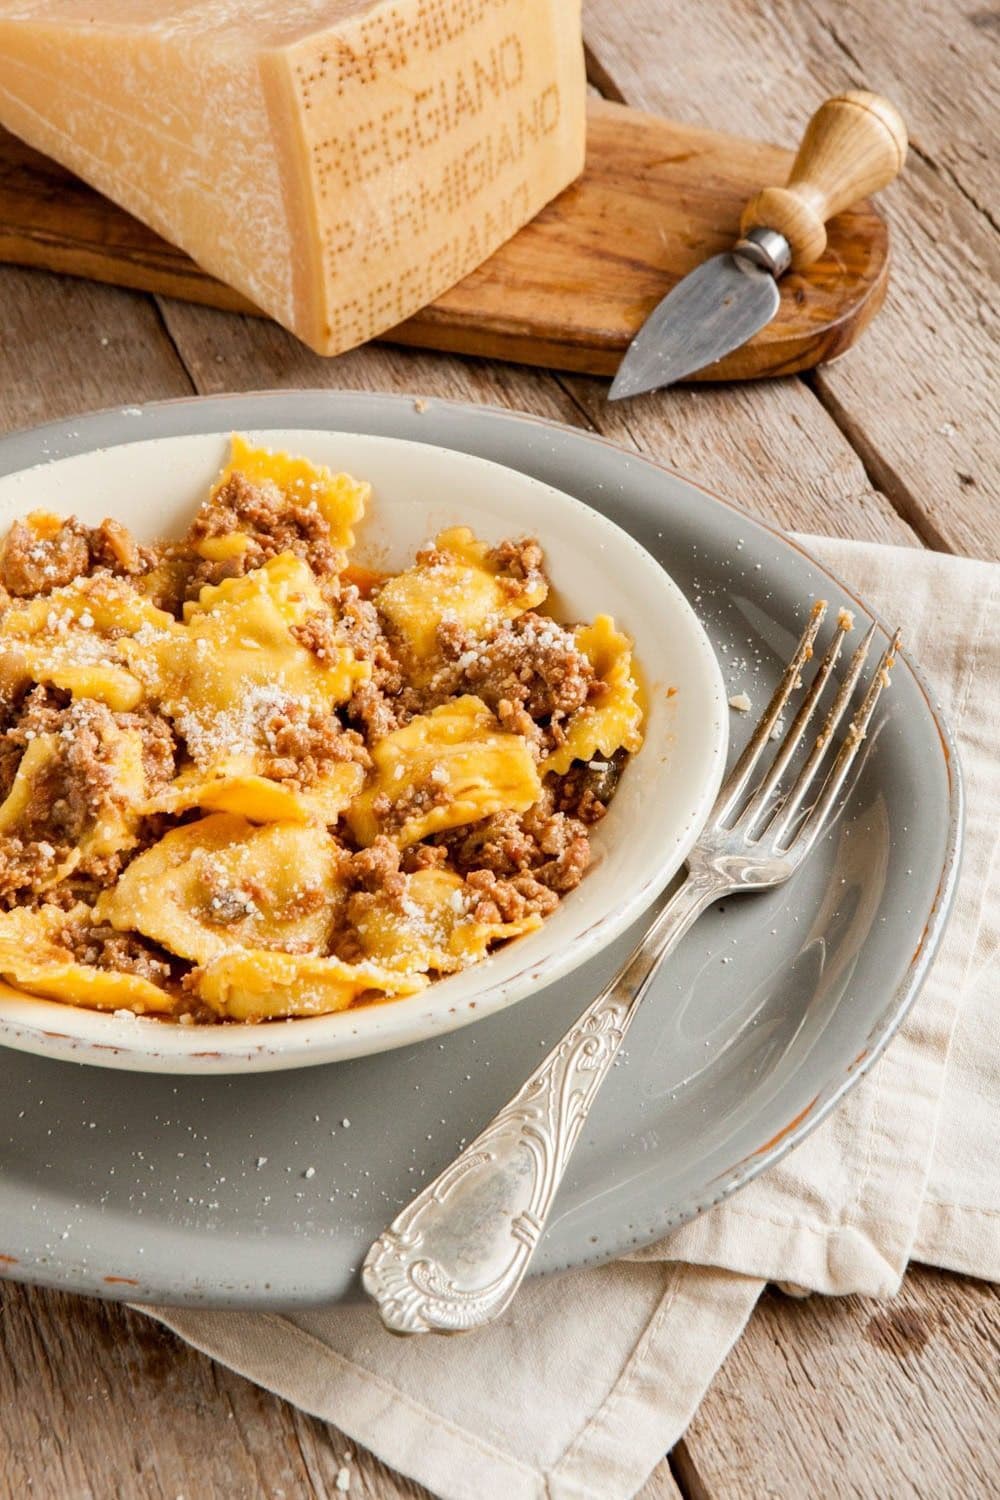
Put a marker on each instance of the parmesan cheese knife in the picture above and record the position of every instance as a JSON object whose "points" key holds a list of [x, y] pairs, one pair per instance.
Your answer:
{"points": [[854, 145]]}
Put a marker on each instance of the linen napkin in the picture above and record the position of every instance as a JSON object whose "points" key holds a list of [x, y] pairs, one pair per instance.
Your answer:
{"points": [[595, 1374]]}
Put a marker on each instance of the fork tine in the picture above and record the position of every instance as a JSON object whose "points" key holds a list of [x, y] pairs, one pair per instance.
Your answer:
{"points": [[788, 809], [792, 737], [738, 777], [815, 819]]}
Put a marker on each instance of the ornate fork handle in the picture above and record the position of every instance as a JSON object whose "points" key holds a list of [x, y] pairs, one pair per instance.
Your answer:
{"points": [[455, 1257]]}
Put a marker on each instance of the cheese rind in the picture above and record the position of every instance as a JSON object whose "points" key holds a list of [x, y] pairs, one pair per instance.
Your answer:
{"points": [[340, 162]]}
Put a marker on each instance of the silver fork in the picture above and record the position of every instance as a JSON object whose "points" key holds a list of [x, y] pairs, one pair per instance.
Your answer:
{"points": [[455, 1257]]}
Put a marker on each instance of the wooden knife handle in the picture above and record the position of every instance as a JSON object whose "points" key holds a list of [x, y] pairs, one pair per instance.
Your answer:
{"points": [[854, 145]]}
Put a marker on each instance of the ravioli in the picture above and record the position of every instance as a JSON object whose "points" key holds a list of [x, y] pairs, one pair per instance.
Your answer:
{"points": [[75, 638], [266, 985], [16, 806], [34, 959], [340, 499], [432, 927], [442, 769], [224, 883], [467, 587], [240, 635], [233, 785], [111, 828], [613, 720]]}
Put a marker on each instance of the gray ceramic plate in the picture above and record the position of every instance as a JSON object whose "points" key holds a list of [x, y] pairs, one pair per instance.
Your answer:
{"points": [[266, 1191]]}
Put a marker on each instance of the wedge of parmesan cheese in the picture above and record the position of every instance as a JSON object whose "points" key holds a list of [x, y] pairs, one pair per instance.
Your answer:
{"points": [[340, 162]]}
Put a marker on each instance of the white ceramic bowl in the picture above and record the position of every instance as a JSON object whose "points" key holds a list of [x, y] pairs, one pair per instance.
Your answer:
{"points": [[663, 798]]}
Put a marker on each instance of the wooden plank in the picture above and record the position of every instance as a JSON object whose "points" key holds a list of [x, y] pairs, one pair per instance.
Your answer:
{"points": [[69, 345], [98, 1401], [771, 447], [662, 1484], [228, 352], [942, 318], [564, 292], [846, 1397], [940, 63], [822, 1398], [915, 396]]}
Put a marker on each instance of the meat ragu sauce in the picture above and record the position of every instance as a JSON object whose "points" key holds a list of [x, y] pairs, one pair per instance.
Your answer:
{"points": [[236, 785]]}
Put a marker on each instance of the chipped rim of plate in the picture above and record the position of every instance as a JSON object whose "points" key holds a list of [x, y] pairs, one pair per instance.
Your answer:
{"points": [[56, 1029]]}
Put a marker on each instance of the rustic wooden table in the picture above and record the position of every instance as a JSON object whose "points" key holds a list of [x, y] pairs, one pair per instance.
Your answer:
{"points": [[897, 443]]}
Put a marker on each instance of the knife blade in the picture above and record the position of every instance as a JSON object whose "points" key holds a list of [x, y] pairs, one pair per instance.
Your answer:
{"points": [[854, 145], [715, 309]]}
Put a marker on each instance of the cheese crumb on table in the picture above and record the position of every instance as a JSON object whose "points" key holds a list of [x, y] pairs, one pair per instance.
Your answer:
{"points": [[741, 703]]}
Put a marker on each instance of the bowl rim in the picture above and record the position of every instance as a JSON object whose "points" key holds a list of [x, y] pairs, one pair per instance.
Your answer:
{"points": [[56, 1029]]}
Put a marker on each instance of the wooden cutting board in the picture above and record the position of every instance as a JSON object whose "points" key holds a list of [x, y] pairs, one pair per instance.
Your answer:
{"points": [[567, 292]]}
